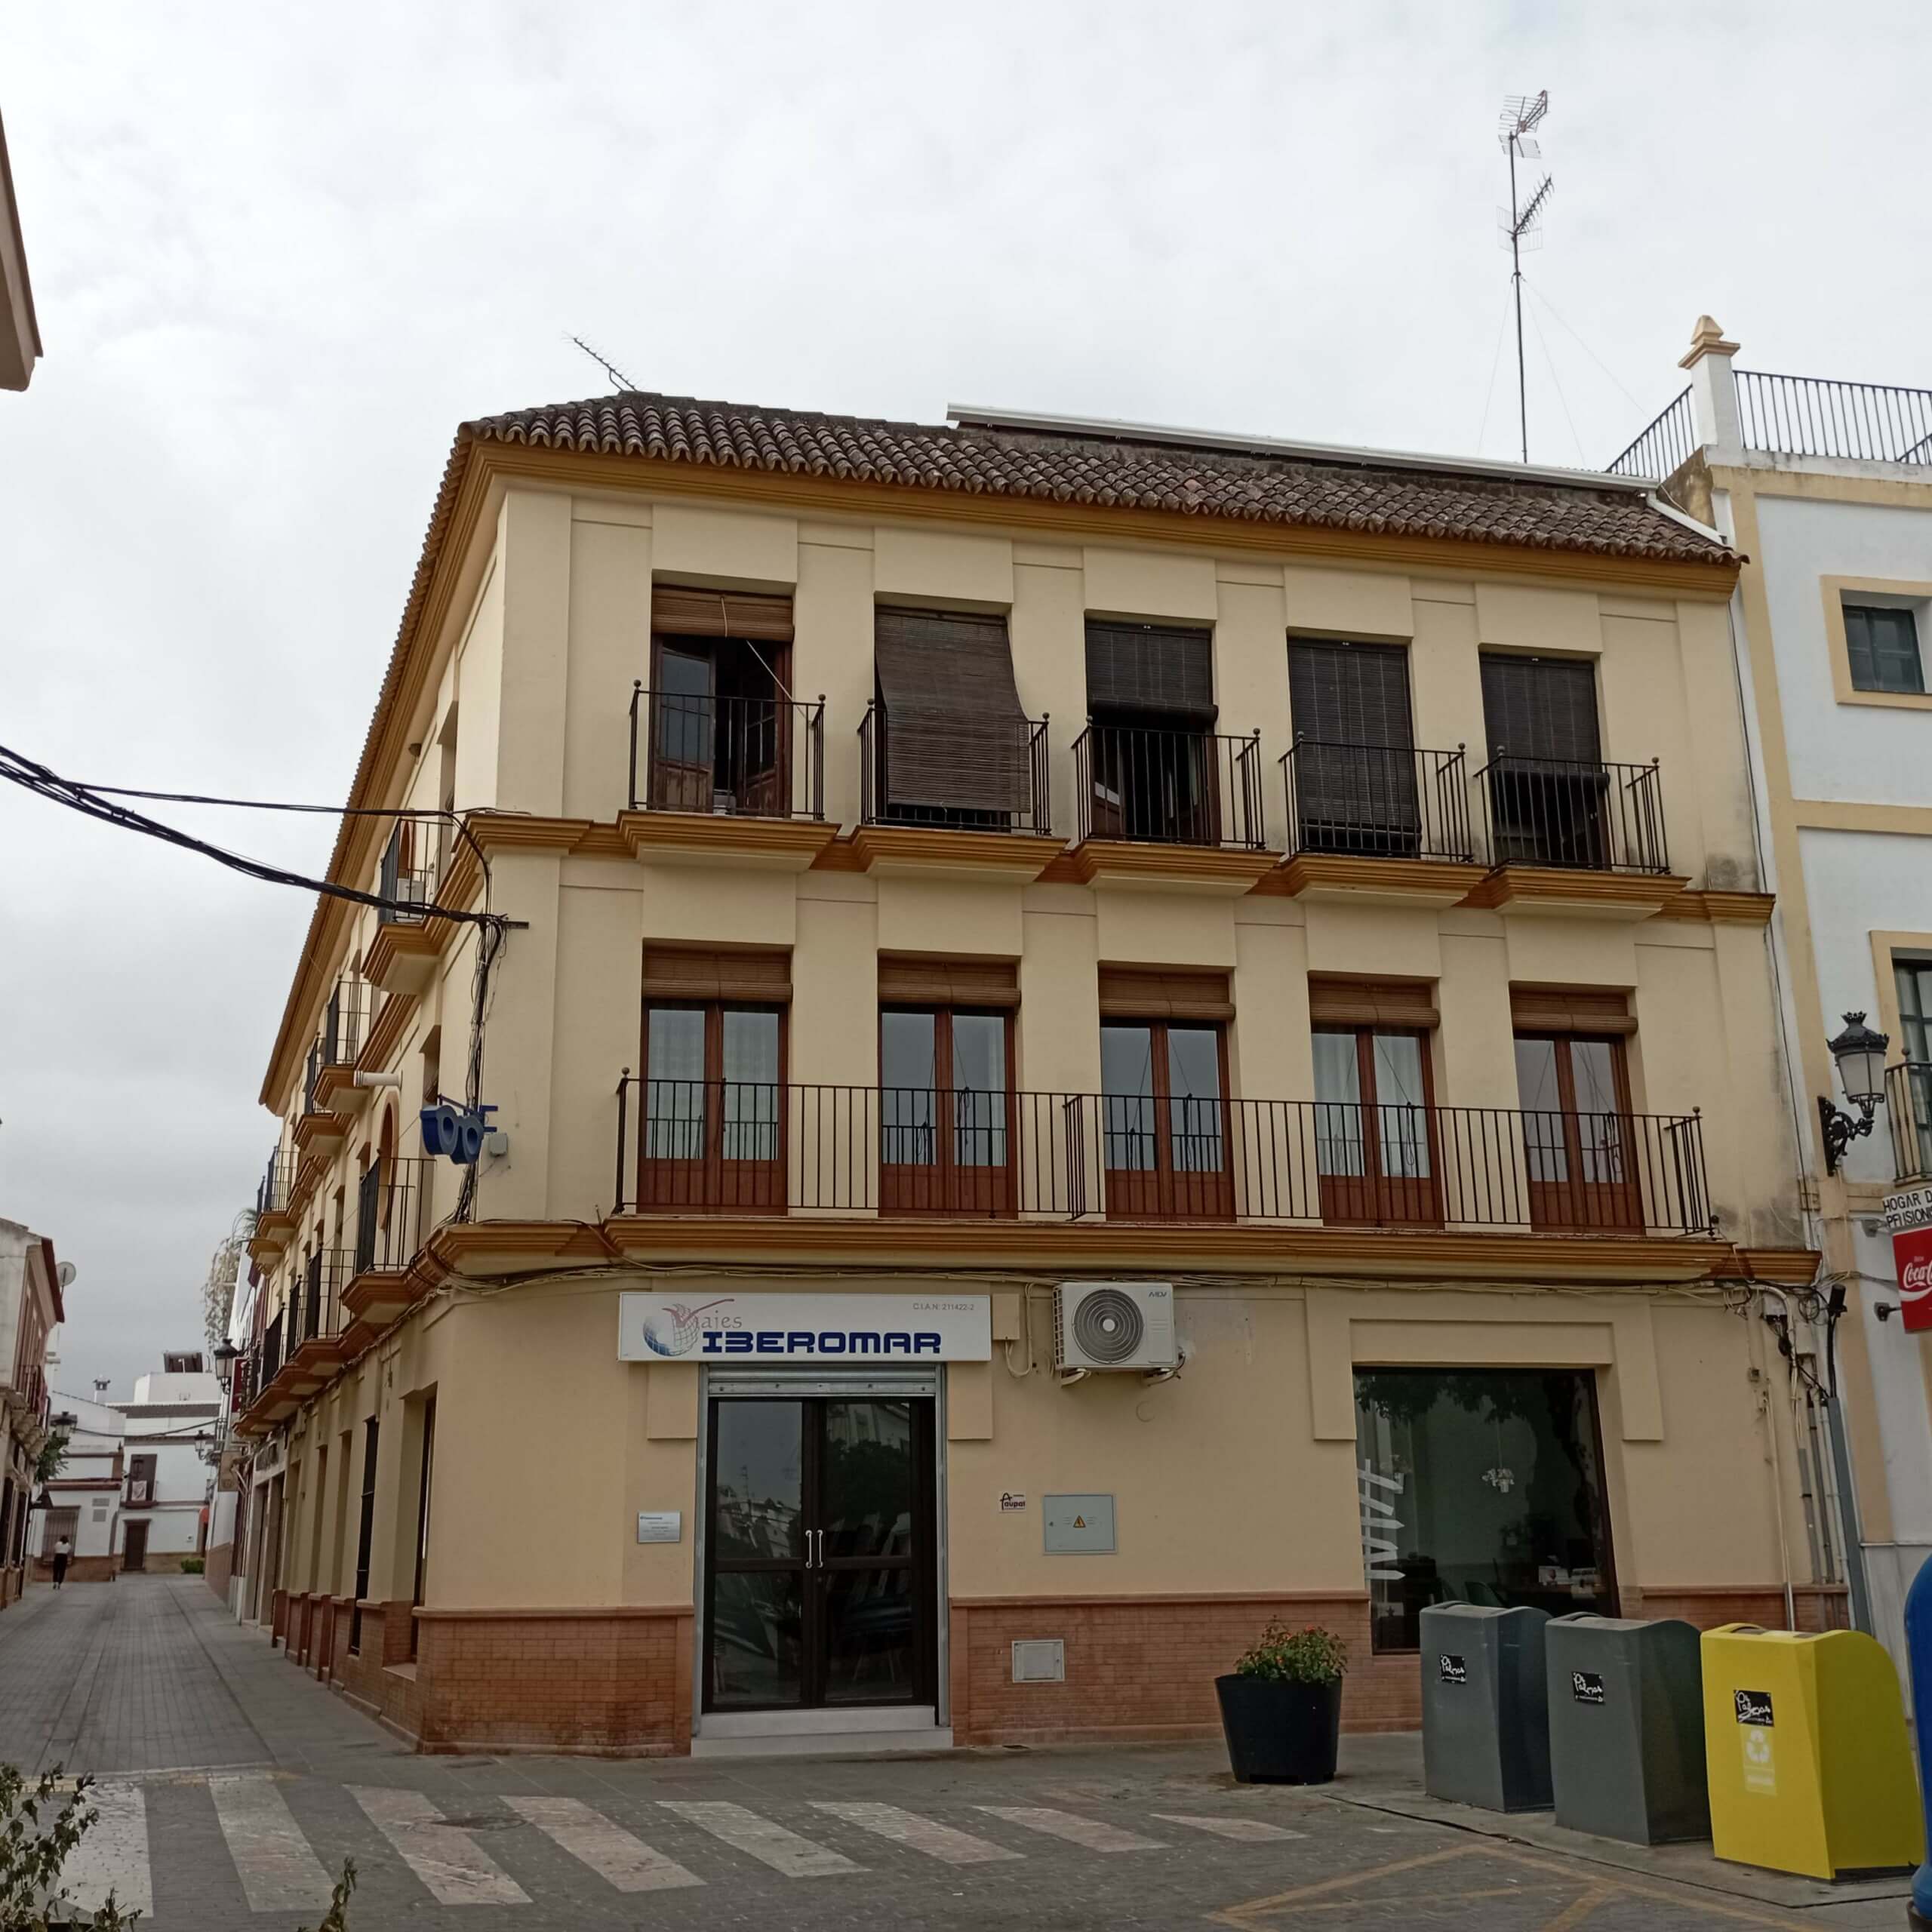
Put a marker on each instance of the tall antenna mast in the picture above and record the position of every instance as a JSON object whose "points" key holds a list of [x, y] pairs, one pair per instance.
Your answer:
{"points": [[1520, 222]]}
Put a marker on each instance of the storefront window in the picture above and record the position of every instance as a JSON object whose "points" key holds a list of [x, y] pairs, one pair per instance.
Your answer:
{"points": [[1480, 1485]]}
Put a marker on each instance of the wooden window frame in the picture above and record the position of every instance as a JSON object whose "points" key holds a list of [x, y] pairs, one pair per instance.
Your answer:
{"points": [[770, 797], [1373, 1198], [947, 1186], [1576, 1204], [1163, 1192], [711, 1182]]}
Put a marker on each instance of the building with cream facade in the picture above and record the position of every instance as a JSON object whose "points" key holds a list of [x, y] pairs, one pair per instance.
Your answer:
{"points": [[1094, 1034], [1826, 489]]}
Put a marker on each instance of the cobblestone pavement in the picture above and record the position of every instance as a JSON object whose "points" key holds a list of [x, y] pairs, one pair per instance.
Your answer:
{"points": [[233, 1787]]}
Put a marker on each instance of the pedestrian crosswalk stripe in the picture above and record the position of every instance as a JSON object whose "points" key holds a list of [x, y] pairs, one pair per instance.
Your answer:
{"points": [[277, 1871], [1248, 1830], [113, 1856], [1068, 1824], [746, 1831], [907, 1828], [456, 1869], [612, 1853]]}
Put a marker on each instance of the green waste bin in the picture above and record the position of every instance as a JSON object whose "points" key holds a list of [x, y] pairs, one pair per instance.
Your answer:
{"points": [[1626, 1728], [1485, 1725]]}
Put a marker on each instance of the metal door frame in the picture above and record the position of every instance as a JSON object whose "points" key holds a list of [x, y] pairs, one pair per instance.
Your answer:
{"points": [[780, 1382]]}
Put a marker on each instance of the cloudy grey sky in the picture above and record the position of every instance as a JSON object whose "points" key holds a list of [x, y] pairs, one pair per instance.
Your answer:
{"points": [[279, 254]]}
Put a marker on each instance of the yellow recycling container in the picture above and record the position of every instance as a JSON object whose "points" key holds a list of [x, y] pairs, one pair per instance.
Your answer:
{"points": [[1806, 1753]]}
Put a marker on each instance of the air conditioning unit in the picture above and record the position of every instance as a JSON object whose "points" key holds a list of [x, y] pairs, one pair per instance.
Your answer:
{"points": [[1102, 1325]]}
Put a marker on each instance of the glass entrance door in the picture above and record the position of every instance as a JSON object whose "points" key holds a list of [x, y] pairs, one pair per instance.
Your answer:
{"points": [[819, 1553]]}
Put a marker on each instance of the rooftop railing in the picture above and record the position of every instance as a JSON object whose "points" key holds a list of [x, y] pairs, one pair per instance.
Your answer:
{"points": [[1376, 801], [1574, 813], [746, 1147], [1013, 761], [1663, 446], [741, 757], [1169, 787], [1812, 416]]}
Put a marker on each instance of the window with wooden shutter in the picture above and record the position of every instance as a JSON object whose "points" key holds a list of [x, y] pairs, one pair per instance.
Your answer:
{"points": [[911, 979], [1540, 707], [1336, 1001], [1150, 670], [1162, 992], [955, 734], [704, 972], [1571, 1010], [1345, 693], [677, 611]]}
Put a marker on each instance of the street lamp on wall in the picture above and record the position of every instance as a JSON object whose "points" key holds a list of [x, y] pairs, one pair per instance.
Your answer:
{"points": [[224, 1352], [1860, 1055]]}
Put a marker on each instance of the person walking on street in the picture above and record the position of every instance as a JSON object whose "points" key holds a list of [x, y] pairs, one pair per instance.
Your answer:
{"points": [[63, 1550]]}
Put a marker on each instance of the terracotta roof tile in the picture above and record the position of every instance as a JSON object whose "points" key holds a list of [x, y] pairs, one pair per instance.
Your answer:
{"points": [[1117, 471]]}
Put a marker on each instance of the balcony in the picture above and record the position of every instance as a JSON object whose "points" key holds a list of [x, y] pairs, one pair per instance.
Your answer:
{"points": [[987, 807], [1550, 822], [1908, 1117], [713, 776], [1371, 822], [746, 1148], [392, 1224], [331, 1069], [402, 957], [275, 1215], [1170, 807], [314, 1334]]}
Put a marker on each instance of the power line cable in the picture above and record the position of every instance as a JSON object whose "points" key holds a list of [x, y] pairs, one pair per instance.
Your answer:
{"points": [[94, 801], [1495, 363], [1557, 316], [1556, 384]]}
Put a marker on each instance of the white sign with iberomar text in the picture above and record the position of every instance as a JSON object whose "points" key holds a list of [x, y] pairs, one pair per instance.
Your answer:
{"points": [[836, 1328]]}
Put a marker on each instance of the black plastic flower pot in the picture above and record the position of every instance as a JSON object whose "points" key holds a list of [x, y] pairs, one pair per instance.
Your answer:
{"points": [[1278, 1732]]}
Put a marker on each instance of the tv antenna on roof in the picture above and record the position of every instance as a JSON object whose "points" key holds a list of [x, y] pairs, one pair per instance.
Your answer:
{"points": [[1520, 223], [609, 368]]}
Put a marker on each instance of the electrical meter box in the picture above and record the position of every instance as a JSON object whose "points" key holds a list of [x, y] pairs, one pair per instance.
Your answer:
{"points": [[1485, 1719], [1626, 1728]]}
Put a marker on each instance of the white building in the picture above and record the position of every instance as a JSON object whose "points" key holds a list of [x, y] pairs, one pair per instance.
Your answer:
{"points": [[135, 1491], [1825, 487]]}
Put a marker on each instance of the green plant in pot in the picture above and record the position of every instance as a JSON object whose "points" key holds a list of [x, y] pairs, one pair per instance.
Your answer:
{"points": [[1281, 1706]]}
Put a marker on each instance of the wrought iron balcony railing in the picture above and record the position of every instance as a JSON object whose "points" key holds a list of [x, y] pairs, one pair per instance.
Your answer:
{"points": [[1662, 446], [392, 1217], [1574, 813], [315, 1308], [1169, 788], [741, 757], [1797, 416], [1010, 761], [728, 1147], [278, 1180], [407, 878], [1374, 801], [1909, 1118]]}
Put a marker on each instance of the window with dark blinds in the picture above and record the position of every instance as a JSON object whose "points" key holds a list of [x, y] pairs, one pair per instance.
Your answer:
{"points": [[1882, 643], [1350, 694], [956, 736], [1150, 668], [1540, 707]]}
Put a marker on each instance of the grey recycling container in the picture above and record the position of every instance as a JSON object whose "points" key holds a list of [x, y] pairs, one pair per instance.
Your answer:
{"points": [[1626, 1728], [1485, 1724]]}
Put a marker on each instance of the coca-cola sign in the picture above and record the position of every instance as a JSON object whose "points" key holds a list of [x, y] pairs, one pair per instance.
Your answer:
{"points": [[1908, 1220]]}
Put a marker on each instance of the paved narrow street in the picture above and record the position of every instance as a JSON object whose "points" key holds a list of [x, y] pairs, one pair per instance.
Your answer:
{"points": [[233, 1787]]}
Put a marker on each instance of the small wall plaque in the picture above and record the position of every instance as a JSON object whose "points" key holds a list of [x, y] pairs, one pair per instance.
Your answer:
{"points": [[660, 1525]]}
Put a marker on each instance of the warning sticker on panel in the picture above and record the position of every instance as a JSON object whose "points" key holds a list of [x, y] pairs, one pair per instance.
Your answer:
{"points": [[1760, 1770]]}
